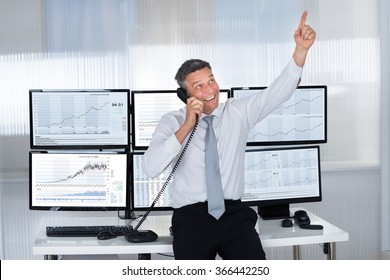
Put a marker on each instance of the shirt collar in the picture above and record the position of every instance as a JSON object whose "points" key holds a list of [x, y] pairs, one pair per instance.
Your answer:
{"points": [[216, 113]]}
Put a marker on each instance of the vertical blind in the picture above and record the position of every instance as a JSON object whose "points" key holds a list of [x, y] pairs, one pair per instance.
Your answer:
{"points": [[139, 44], [385, 131]]}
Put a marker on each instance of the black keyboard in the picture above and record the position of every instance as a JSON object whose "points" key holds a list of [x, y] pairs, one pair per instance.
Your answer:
{"points": [[82, 231]]}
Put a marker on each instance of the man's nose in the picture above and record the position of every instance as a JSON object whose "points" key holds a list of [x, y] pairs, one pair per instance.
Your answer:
{"points": [[208, 89]]}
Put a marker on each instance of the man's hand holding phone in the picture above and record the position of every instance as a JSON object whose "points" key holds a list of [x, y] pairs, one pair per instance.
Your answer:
{"points": [[194, 110]]}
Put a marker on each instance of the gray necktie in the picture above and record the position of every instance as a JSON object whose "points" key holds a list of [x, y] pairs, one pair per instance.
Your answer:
{"points": [[216, 204]]}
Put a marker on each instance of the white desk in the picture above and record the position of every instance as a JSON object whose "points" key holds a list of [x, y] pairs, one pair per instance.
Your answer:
{"points": [[270, 231], [273, 235]]}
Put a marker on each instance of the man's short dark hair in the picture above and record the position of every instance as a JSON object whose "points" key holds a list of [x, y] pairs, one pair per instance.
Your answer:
{"points": [[189, 67]]}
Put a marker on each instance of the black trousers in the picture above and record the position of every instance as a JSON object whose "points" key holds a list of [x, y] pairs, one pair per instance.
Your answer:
{"points": [[199, 236]]}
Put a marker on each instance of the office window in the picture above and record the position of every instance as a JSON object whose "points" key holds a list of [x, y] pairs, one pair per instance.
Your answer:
{"points": [[140, 44]]}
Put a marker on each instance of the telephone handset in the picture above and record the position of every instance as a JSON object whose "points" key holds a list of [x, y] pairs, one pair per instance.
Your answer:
{"points": [[182, 94], [148, 235]]}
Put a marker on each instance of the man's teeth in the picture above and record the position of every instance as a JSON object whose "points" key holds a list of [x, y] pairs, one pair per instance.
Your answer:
{"points": [[211, 98]]}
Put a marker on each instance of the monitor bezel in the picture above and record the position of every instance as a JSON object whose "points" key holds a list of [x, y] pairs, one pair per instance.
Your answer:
{"points": [[132, 187], [84, 146], [66, 208], [291, 142], [290, 200], [136, 146]]}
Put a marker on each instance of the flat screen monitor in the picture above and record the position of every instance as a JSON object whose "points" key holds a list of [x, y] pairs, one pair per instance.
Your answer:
{"points": [[275, 178], [79, 119], [300, 120], [148, 108], [79, 181], [144, 190]]}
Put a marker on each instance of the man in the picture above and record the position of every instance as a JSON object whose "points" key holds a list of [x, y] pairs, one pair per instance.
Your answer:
{"points": [[231, 234]]}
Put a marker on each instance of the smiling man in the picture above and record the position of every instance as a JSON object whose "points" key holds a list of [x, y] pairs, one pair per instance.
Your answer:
{"points": [[198, 234]]}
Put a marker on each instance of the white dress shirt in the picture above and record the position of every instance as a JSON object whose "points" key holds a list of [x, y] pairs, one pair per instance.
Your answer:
{"points": [[232, 122]]}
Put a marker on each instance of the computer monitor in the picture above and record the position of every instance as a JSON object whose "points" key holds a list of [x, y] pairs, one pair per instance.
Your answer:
{"points": [[275, 178], [79, 181], [144, 190], [148, 108], [79, 119], [300, 120]]}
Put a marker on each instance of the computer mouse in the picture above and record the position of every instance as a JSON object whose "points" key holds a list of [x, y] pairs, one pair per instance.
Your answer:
{"points": [[105, 235], [287, 223]]}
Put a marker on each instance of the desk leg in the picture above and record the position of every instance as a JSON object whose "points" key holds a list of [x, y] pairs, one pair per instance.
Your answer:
{"points": [[144, 256], [331, 250], [296, 252]]}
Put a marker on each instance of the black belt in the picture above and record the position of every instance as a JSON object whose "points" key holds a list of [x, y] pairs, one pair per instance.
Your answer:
{"points": [[228, 203]]}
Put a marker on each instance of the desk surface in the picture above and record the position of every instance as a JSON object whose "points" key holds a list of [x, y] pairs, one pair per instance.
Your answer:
{"points": [[270, 231]]}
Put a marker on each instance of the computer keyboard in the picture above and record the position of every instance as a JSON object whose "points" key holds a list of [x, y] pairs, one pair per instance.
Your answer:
{"points": [[82, 231]]}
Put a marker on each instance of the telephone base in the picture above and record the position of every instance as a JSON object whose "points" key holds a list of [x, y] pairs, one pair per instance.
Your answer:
{"points": [[141, 236]]}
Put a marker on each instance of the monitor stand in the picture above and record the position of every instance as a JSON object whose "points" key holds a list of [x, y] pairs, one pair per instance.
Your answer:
{"points": [[128, 215], [281, 211]]}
